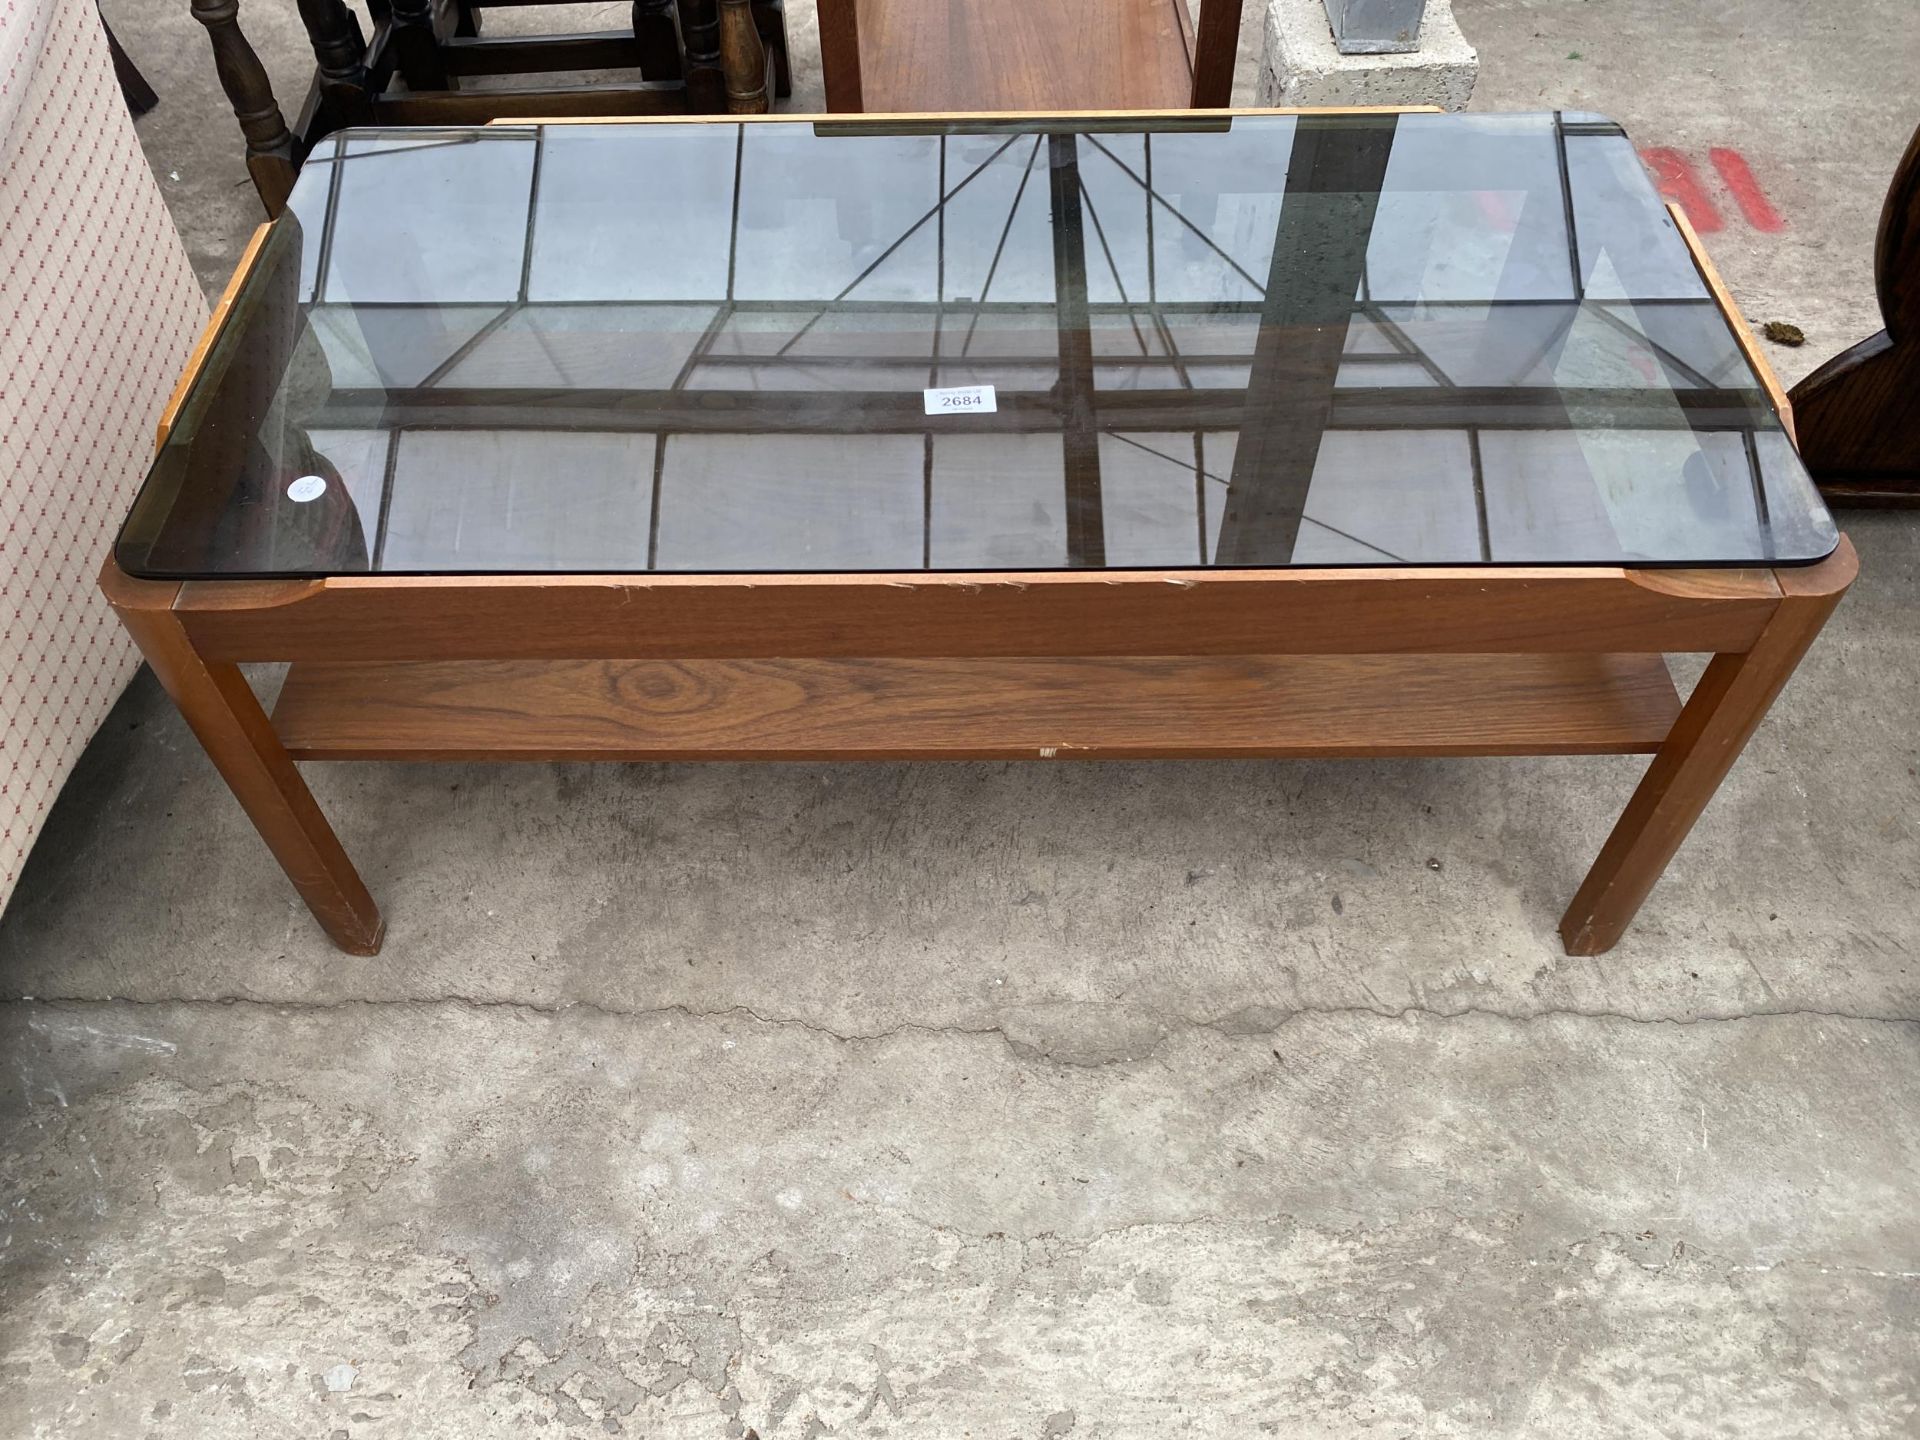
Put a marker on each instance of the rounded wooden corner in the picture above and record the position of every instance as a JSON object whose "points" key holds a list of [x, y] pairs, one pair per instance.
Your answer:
{"points": [[240, 594], [1707, 585], [130, 592], [1831, 576]]}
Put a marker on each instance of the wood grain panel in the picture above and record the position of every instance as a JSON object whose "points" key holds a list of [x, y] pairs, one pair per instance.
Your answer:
{"points": [[983, 55], [1135, 612], [1138, 708]]}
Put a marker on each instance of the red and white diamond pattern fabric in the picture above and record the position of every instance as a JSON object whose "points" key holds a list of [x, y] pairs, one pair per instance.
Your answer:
{"points": [[99, 310]]}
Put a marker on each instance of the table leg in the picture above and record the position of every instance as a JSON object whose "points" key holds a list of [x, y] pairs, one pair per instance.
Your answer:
{"points": [[340, 53], [700, 37], [658, 37], [743, 59], [1725, 709], [139, 95], [416, 46], [221, 709], [771, 17], [244, 79]]}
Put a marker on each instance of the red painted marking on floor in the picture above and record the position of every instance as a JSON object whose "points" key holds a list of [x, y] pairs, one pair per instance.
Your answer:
{"points": [[1746, 190], [1673, 176]]}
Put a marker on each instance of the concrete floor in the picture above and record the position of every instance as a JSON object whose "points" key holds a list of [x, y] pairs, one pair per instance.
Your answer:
{"points": [[994, 1101]]}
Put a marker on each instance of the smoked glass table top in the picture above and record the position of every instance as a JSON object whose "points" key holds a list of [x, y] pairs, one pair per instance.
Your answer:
{"points": [[796, 346]]}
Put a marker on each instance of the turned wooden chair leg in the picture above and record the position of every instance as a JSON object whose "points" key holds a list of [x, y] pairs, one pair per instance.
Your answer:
{"points": [[658, 37], [221, 709], [340, 53], [743, 59], [771, 17], [700, 37], [1726, 707], [138, 94], [416, 46], [270, 158]]}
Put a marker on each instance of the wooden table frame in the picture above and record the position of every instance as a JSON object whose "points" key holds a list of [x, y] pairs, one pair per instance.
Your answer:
{"points": [[1090, 664]]}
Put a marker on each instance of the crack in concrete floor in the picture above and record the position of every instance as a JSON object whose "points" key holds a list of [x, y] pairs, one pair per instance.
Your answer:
{"points": [[1260, 1021]]}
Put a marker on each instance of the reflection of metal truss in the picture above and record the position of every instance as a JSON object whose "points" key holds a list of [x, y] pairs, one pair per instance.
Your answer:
{"points": [[1302, 394]]}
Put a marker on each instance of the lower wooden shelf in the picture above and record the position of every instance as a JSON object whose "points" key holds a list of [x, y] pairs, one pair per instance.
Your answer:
{"points": [[1135, 708]]}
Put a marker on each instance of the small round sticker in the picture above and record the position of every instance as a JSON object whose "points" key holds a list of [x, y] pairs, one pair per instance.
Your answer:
{"points": [[307, 487]]}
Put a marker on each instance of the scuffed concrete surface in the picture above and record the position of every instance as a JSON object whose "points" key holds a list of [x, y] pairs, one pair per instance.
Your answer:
{"points": [[678, 1226], [1010, 1101], [1818, 95]]}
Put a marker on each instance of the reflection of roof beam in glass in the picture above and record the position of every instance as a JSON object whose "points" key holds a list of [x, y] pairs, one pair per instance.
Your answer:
{"points": [[1411, 339]]}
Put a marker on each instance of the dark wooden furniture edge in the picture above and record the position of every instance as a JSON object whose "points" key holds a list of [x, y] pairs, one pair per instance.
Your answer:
{"points": [[1215, 48], [1861, 410], [1870, 492], [693, 56], [134, 89]]}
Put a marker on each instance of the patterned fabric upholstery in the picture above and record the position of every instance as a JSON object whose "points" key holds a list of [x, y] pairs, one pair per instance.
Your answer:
{"points": [[98, 312]]}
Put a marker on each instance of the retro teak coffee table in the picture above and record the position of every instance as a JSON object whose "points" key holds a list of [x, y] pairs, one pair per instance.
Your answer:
{"points": [[1110, 437]]}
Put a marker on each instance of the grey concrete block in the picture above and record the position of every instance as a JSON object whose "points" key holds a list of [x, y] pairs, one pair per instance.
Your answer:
{"points": [[1375, 27], [1303, 66]]}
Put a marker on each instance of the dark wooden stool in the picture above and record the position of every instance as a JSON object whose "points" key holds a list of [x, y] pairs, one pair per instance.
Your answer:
{"points": [[1859, 414], [693, 57]]}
